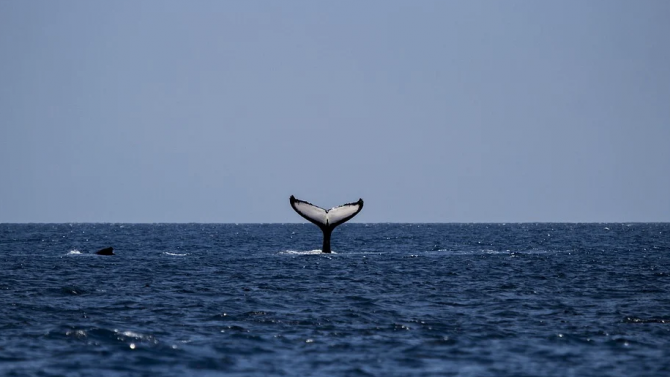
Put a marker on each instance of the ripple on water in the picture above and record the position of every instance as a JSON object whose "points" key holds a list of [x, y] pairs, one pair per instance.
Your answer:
{"points": [[453, 299]]}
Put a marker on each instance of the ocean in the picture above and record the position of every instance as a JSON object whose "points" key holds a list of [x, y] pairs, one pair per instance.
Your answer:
{"points": [[392, 300]]}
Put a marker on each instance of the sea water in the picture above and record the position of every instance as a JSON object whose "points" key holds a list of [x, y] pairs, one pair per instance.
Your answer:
{"points": [[392, 300]]}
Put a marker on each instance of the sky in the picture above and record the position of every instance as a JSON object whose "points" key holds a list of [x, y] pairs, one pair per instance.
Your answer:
{"points": [[431, 111]]}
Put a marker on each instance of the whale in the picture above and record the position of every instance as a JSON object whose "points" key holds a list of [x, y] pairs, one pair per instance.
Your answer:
{"points": [[106, 251], [326, 219]]}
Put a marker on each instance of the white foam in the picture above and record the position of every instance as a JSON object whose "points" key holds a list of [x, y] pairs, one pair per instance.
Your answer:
{"points": [[175, 254], [74, 252], [307, 252]]}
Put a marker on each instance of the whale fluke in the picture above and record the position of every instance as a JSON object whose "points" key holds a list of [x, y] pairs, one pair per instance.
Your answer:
{"points": [[326, 219], [106, 251]]}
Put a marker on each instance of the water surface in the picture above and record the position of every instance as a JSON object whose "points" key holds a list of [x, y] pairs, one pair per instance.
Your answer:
{"points": [[393, 300]]}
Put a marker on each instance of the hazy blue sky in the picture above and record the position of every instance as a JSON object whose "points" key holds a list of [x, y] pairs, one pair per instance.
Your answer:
{"points": [[431, 111]]}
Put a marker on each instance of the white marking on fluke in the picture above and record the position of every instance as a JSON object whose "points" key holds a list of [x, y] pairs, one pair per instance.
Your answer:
{"points": [[326, 219]]}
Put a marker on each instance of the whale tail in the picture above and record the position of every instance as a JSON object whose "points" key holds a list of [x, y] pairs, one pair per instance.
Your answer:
{"points": [[326, 219]]}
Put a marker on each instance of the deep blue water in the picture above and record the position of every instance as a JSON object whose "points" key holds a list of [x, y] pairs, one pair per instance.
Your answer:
{"points": [[395, 300]]}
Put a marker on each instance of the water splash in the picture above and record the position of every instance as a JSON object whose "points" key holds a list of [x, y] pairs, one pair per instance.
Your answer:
{"points": [[306, 252]]}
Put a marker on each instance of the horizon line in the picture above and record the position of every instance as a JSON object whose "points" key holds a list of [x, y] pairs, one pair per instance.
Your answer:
{"points": [[359, 223]]}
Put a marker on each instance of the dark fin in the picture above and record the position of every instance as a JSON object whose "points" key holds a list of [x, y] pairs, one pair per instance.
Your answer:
{"points": [[106, 251]]}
